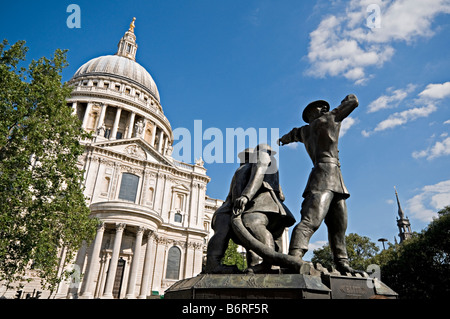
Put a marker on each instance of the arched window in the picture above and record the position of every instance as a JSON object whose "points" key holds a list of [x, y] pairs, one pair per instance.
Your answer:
{"points": [[128, 187], [173, 263]]}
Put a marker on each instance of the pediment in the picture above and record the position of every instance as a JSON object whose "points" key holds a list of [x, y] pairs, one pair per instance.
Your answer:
{"points": [[135, 148], [181, 188]]}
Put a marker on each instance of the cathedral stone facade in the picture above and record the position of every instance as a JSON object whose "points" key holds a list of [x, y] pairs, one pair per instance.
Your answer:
{"points": [[154, 209]]}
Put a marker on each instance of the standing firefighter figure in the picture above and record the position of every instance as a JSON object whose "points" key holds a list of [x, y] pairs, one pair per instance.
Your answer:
{"points": [[325, 192]]}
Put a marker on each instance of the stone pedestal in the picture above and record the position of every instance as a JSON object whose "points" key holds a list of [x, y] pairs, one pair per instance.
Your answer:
{"points": [[350, 287], [259, 286], [279, 286]]}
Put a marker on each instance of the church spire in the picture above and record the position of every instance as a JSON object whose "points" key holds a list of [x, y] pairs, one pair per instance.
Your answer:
{"points": [[127, 46], [400, 211], [403, 223]]}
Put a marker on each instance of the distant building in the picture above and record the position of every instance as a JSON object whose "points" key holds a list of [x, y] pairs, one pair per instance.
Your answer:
{"points": [[404, 226]]}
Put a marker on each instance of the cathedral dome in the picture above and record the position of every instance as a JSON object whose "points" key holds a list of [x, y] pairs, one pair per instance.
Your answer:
{"points": [[122, 65], [122, 68], [116, 98]]}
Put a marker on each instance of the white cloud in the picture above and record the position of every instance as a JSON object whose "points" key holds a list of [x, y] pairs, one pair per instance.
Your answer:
{"points": [[347, 123], [436, 91], [343, 45], [332, 54], [419, 154], [432, 198], [255, 17], [390, 101], [317, 244], [426, 100], [292, 145], [366, 133], [440, 148], [401, 118], [403, 20]]}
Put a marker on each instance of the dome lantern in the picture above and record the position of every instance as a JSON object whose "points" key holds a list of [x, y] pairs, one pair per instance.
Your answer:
{"points": [[127, 46], [122, 65]]}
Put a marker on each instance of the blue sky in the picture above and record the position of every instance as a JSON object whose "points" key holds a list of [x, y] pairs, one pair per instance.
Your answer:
{"points": [[256, 64]]}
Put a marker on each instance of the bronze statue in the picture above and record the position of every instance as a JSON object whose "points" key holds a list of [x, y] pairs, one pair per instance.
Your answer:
{"points": [[253, 215], [221, 221], [263, 213], [325, 192]]}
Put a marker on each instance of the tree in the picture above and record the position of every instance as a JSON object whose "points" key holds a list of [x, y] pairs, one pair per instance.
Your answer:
{"points": [[419, 268], [42, 206], [233, 257], [359, 249]]}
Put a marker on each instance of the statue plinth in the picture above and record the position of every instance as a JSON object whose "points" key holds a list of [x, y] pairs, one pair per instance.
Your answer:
{"points": [[351, 287], [246, 286], [278, 286]]}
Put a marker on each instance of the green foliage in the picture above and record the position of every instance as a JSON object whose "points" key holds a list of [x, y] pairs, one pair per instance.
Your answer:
{"points": [[42, 206], [233, 257], [359, 248], [419, 268], [323, 256]]}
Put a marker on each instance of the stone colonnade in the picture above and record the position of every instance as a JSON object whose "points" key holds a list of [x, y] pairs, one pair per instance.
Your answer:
{"points": [[159, 140], [139, 279]]}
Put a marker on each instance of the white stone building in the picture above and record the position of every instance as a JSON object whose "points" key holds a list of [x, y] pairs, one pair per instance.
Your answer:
{"points": [[154, 210]]}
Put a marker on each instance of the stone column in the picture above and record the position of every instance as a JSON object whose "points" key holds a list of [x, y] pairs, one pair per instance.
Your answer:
{"points": [[114, 259], [166, 142], [104, 262], [166, 200], [153, 135], [144, 187], [87, 288], [79, 263], [135, 264], [74, 108], [159, 192], [63, 285], [160, 263], [131, 124], [200, 205], [116, 124], [161, 141], [198, 259], [86, 115], [147, 265], [194, 203], [102, 117]]}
